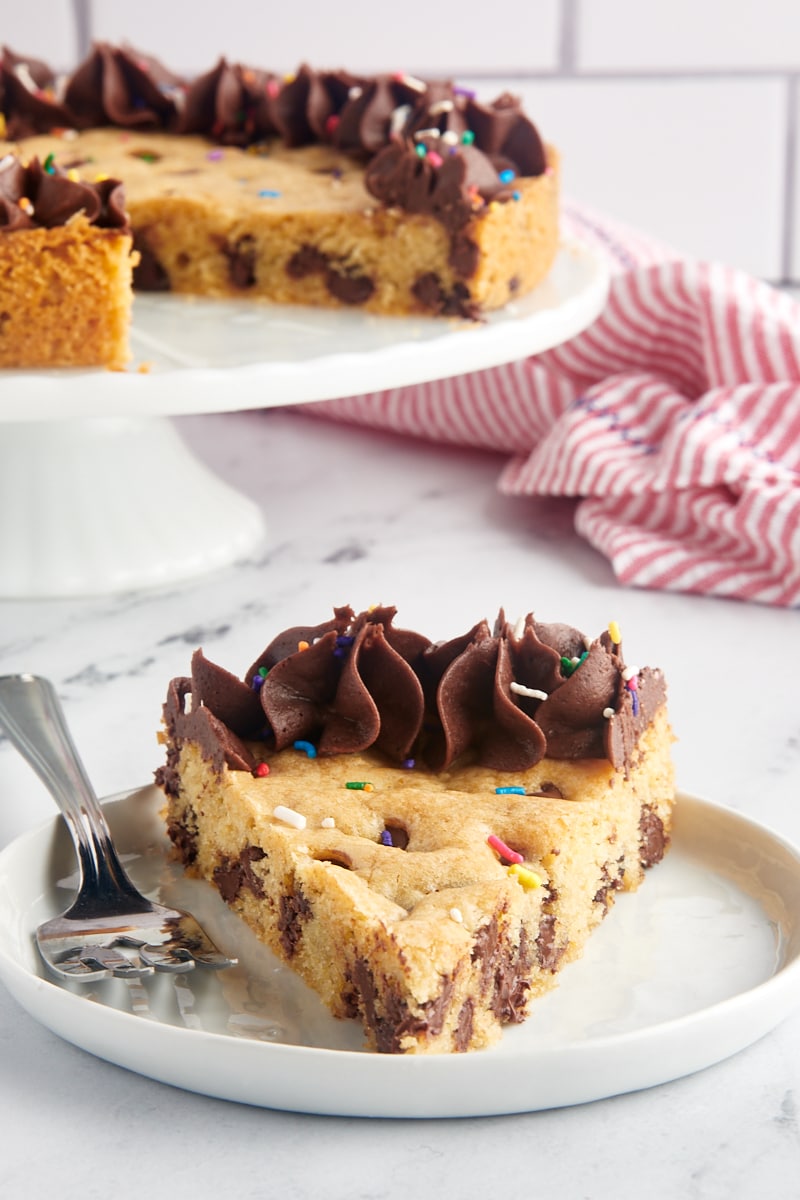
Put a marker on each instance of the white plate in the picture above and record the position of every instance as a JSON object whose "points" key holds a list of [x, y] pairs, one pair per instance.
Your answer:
{"points": [[694, 967], [217, 356]]}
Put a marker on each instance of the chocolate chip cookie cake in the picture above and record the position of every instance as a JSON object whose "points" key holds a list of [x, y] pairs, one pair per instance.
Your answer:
{"points": [[387, 193], [425, 832]]}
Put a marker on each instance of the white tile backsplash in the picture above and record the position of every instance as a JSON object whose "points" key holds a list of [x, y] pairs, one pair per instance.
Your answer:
{"points": [[682, 35], [47, 31], [360, 35], [681, 117], [698, 164]]}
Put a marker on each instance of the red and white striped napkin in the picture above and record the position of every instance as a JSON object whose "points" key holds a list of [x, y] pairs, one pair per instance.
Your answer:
{"points": [[674, 420]]}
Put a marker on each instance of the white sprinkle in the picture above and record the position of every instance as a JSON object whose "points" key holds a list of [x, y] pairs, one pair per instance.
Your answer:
{"points": [[534, 693], [629, 673], [587, 641], [354, 93], [519, 628], [450, 137], [608, 713], [427, 133], [328, 823], [399, 117], [23, 74], [412, 82], [576, 660], [441, 106], [455, 913], [289, 816]]}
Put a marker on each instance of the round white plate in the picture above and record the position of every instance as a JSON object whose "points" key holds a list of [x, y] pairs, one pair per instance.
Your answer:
{"points": [[694, 967], [220, 356]]}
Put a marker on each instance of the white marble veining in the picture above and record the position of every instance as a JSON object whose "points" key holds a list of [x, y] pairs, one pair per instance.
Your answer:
{"points": [[358, 517]]}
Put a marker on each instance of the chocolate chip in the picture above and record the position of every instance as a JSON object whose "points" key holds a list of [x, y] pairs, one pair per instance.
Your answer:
{"points": [[241, 262], [430, 293], [652, 837], [350, 289], [234, 874], [548, 954], [295, 910], [464, 1026], [148, 275], [308, 260], [183, 834], [464, 255]]}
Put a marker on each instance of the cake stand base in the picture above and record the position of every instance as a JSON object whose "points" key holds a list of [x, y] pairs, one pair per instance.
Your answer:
{"points": [[104, 505]]}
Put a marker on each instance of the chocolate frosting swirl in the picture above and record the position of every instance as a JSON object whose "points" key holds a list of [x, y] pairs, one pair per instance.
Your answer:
{"points": [[34, 197], [113, 87], [27, 96], [230, 103], [502, 697]]}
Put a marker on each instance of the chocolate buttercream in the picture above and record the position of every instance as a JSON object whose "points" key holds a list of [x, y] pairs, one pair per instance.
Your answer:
{"points": [[230, 103], [28, 99], [113, 87], [33, 197], [502, 697]]}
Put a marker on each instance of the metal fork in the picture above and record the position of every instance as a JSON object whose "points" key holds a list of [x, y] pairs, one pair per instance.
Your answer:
{"points": [[108, 915]]}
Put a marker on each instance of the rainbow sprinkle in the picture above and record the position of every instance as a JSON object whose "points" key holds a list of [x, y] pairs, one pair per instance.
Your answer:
{"points": [[289, 816], [358, 786], [504, 851], [614, 633], [529, 879], [308, 747], [509, 791]]}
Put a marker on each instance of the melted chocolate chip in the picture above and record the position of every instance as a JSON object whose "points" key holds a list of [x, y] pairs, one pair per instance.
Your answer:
{"points": [[148, 275], [464, 255], [234, 874], [428, 290], [465, 1026], [652, 837], [241, 262], [183, 834], [396, 1022], [294, 912], [350, 289], [308, 260], [548, 954]]}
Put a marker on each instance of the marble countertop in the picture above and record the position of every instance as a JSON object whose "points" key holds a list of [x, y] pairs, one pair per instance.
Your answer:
{"points": [[360, 517]]}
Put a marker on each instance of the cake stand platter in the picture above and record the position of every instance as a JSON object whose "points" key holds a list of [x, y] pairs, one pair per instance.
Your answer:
{"points": [[92, 470]]}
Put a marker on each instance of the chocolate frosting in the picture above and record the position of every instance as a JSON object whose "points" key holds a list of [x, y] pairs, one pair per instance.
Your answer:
{"points": [[27, 96], [230, 103], [356, 682], [114, 87], [431, 148], [34, 197]]}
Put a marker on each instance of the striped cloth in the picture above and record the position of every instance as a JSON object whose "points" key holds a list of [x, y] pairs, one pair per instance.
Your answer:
{"points": [[674, 420]]}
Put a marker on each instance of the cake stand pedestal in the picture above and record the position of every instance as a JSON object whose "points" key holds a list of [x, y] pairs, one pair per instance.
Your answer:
{"points": [[98, 493], [108, 504]]}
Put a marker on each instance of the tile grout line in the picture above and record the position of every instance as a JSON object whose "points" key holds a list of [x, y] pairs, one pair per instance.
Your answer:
{"points": [[83, 26], [790, 183]]}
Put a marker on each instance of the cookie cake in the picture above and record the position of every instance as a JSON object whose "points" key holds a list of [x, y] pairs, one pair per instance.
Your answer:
{"points": [[387, 193], [427, 833]]}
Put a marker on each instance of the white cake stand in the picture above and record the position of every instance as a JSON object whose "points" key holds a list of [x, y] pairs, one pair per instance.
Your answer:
{"points": [[98, 493]]}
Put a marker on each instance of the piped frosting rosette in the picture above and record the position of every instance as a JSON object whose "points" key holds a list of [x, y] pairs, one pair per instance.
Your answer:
{"points": [[502, 697]]}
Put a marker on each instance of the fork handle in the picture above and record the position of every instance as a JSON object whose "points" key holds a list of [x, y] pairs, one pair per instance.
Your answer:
{"points": [[32, 716]]}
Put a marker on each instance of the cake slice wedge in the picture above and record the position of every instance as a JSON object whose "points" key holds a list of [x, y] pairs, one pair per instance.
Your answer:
{"points": [[432, 903]]}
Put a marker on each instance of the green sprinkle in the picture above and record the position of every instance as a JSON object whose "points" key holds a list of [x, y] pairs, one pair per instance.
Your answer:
{"points": [[467, 137], [420, 149], [49, 164], [358, 786], [569, 665]]}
